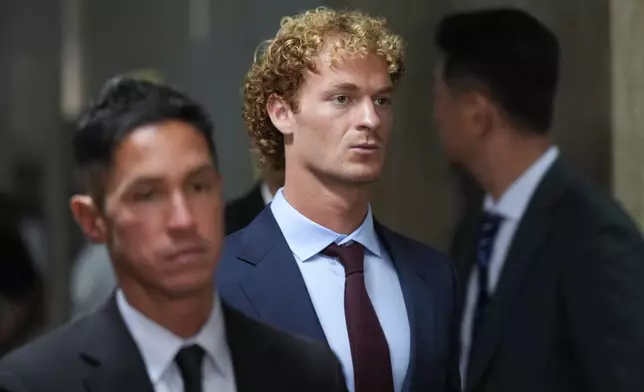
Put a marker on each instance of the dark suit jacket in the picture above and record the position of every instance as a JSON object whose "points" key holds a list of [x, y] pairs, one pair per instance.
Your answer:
{"points": [[98, 354], [240, 212], [259, 276], [568, 311]]}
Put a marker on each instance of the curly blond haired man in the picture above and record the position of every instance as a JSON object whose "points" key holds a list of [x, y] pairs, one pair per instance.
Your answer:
{"points": [[315, 262]]}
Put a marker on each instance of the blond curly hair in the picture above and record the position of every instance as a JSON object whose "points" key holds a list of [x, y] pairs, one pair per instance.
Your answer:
{"points": [[280, 66]]}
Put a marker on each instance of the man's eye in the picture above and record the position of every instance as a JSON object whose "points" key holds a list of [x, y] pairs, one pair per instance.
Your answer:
{"points": [[146, 195], [201, 186], [383, 101], [341, 99]]}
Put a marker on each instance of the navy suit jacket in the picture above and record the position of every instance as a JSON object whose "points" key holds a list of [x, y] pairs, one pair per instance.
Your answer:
{"points": [[258, 275]]}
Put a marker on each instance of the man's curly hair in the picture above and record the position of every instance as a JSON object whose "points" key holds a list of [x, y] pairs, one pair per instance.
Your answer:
{"points": [[280, 68]]}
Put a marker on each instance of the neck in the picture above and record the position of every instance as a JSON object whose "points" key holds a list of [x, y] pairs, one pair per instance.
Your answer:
{"points": [[505, 161], [184, 316], [338, 207]]}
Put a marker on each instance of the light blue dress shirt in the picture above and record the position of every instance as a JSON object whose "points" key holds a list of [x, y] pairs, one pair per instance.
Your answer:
{"points": [[324, 278]]}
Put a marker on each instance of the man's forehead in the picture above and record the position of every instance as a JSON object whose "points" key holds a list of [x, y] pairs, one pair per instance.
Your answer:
{"points": [[151, 160], [337, 56], [162, 166], [120, 182], [159, 142], [334, 66]]}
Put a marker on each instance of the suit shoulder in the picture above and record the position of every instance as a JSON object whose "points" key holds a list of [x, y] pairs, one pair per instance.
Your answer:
{"points": [[594, 210], [231, 247], [234, 239], [48, 356]]}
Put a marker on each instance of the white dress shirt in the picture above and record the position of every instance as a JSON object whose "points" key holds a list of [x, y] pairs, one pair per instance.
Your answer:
{"points": [[324, 278], [511, 206], [158, 347]]}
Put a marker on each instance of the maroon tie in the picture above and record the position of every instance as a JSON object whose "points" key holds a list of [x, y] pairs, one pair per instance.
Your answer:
{"points": [[369, 349]]}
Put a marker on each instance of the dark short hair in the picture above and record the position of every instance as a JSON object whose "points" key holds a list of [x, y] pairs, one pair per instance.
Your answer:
{"points": [[513, 55], [123, 105]]}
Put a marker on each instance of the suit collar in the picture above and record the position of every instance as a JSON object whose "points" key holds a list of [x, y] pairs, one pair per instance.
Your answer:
{"points": [[159, 346], [117, 364], [256, 242], [250, 351], [400, 256], [275, 287], [109, 348], [421, 312], [515, 199], [525, 249]]}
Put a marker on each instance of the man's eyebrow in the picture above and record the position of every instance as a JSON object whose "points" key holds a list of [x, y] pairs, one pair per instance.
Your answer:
{"points": [[351, 87], [203, 169], [345, 86]]}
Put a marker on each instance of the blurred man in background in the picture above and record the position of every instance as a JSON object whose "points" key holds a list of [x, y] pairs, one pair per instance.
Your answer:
{"points": [[552, 269]]}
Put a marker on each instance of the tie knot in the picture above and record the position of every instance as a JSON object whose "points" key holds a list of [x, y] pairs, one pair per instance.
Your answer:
{"points": [[350, 256], [189, 360], [490, 224], [489, 229]]}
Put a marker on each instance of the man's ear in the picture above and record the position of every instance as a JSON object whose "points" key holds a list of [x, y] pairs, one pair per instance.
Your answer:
{"points": [[479, 109], [88, 216], [280, 113]]}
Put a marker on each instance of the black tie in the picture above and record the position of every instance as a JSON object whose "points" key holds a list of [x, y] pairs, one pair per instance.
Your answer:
{"points": [[189, 360], [489, 229], [369, 348]]}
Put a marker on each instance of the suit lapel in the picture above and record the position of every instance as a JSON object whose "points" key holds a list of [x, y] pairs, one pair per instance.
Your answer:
{"points": [[524, 251], [275, 287], [248, 353], [112, 353], [421, 315]]}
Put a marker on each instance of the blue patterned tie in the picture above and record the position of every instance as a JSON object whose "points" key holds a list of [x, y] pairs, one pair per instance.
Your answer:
{"points": [[489, 229]]}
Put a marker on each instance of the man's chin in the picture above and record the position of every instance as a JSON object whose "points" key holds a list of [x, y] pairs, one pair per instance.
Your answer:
{"points": [[185, 288], [364, 177]]}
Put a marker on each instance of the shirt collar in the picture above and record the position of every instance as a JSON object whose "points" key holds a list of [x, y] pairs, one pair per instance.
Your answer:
{"points": [[307, 238], [159, 346], [515, 199]]}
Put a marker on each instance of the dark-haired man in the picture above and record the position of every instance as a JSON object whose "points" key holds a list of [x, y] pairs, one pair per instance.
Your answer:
{"points": [[552, 268], [148, 163]]}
